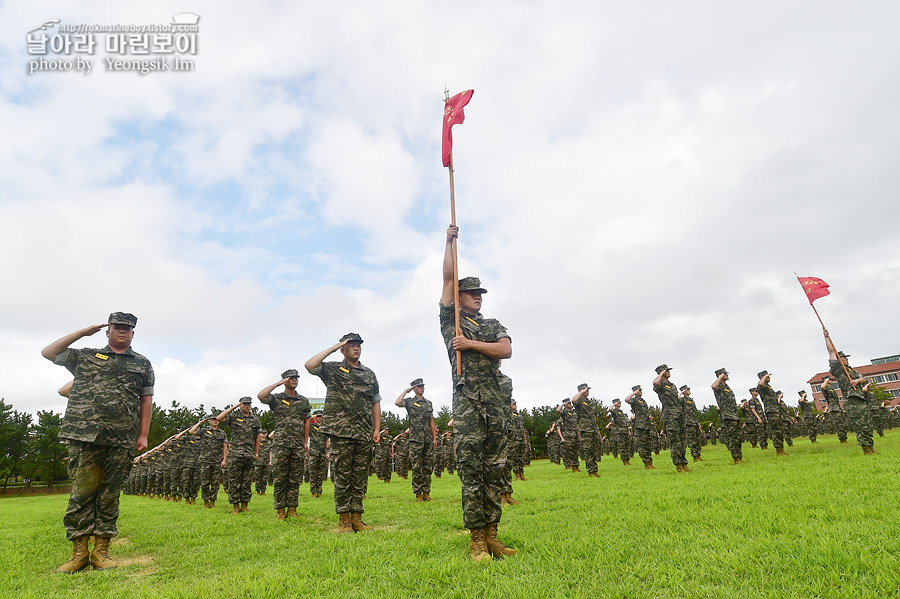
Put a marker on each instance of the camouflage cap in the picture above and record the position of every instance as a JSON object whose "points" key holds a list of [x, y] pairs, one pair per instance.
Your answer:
{"points": [[123, 318], [762, 373], [471, 284], [617, 400], [417, 383], [583, 386], [662, 368], [352, 337], [684, 388], [843, 355], [290, 373], [825, 377], [801, 393], [317, 412], [567, 400], [636, 388], [246, 400], [721, 371], [754, 390]]}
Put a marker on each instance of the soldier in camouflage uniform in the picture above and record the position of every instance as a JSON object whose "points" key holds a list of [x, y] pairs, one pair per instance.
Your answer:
{"points": [[438, 453], [585, 409], [834, 410], [213, 454], [352, 422], [243, 451], [758, 415], [478, 404], [107, 417], [568, 432], [318, 448], [422, 437], [190, 466], [384, 456], [773, 411], [672, 415], [449, 453], [620, 430], [291, 412], [553, 443], [263, 462], [691, 423], [808, 413], [506, 387], [517, 444], [853, 388], [401, 454], [728, 415], [642, 426], [787, 418]]}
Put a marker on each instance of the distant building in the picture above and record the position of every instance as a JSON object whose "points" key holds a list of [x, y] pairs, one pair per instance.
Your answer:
{"points": [[885, 372]]}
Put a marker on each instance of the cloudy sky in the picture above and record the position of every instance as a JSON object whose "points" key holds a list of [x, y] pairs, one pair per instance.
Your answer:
{"points": [[636, 182]]}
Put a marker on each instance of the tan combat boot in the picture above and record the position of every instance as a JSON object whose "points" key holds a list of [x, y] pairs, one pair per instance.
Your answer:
{"points": [[356, 522], [478, 550], [868, 450], [779, 451], [626, 462], [236, 508], [495, 547], [245, 507], [426, 497], [292, 512], [279, 514], [594, 474], [100, 555], [649, 465], [698, 459], [738, 461], [419, 497], [206, 503], [79, 559], [212, 503], [344, 522]]}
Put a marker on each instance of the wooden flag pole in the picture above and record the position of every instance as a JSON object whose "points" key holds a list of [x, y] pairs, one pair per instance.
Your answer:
{"points": [[828, 340], [453, 246]]}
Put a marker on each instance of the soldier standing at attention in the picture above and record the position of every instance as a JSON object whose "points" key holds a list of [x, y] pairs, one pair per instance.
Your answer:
{"points": [[318, 448], [213, 454], [553, 442], [107, 417], [506, 387], [691, 423], [517, 443], [384, 463], [190, 465], [728, 415], [773, 410], [620, 424], [808, 413], [401, 454], [787, 419], [834, 409], [291, 412], [587, 425], [851, 384], [243, 451], [263, 461], [642, 426], [759, 418], [438, 453], [479, 425], [352, 422], [422, 437], [672, 416], [568, 433]]}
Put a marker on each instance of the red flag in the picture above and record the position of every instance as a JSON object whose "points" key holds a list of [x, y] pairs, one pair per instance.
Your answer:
{"points": [[453, 114], [814, 288]]}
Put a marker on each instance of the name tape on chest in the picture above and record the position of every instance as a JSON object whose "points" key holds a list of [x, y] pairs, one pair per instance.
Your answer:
{"points": [[285, 402], [101, 356], [342, 369]]}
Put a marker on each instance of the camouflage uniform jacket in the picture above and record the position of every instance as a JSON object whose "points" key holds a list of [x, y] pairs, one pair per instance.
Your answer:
{"points": [[725, 400], [265, 446], [807, 408], [317, 439], [834, 366], [351, 393], [104, 404], [419, 413], [517, 427], [479, 372], [754, 404], [690, 412], [584, 409], [620, 420], [568, 423], [784, 410], [672, 405], [291, 413], [244, 430], [769, 398], [212, 442], [641, 412], [832, 399], [190, 449]]}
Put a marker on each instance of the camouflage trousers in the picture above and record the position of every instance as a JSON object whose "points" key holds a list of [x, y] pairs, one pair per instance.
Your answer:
{"points": [[210, 474], [175, 484], [622, 442], [839, 421], [287, 468], [568, 449], [731, 436], [422, 459], [450, 457], [190, 480], [97, 473], [692, 436], [383, 465], [788, 427], [515, 453], [776, 429], [438, 461], [810, 423], [860, 421], [590, 449], [674, 427], [318, 468], [480, 443], [642, 444], [762, 433], [351, 473], [553, 447], [877, 420], [261, 475], [239, 472], [401, 460]]}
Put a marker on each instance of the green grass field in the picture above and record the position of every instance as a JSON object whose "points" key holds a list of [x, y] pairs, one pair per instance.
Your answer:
{"points": [[821, 522]]}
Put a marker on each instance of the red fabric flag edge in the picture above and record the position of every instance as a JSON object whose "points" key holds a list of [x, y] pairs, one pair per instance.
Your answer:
{"points": [[453, 114], [814, 288]]}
